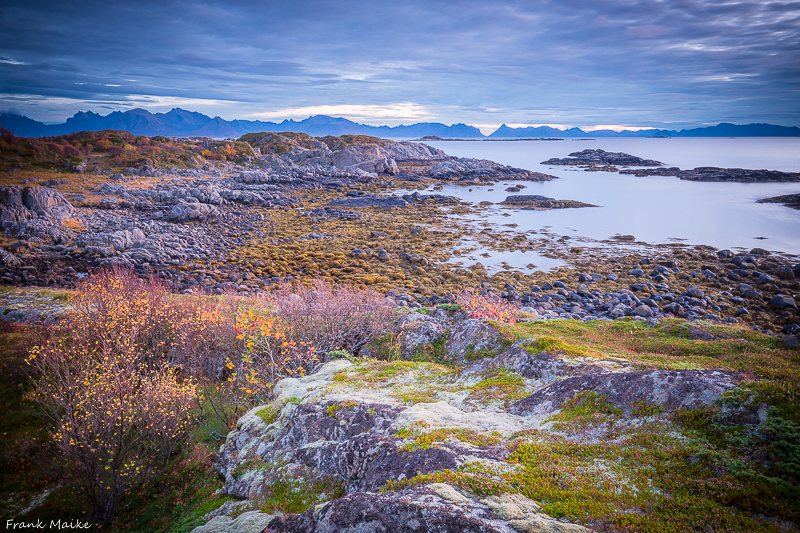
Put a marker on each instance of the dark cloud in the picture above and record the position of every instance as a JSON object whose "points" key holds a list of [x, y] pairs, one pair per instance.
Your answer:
{"points": [[554, 61]]}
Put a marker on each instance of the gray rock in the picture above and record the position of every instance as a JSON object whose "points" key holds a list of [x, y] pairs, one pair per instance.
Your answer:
{"points": [[473, 336], [249, 522], [671, 389], [782, 301], [46, 202]]}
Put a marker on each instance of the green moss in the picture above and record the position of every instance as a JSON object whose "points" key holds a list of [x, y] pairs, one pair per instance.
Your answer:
{"points": [[425, 439], [553, 345], [435, 352], [499, 385], [477, 483], [295, 495], [334, 408], [651, 481], [269, 413]]}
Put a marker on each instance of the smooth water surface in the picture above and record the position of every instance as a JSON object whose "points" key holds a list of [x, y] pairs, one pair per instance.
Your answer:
{"points": [[654, 209]]}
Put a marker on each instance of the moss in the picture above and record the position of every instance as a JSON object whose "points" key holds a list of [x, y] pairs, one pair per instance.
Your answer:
{"points": [[295, 495], [435, 352], [554, 346], [250, 465], [653, 481], [477, 483], [269, 413], [423, 440], [472, 355], [499, 385], [334, 408]]}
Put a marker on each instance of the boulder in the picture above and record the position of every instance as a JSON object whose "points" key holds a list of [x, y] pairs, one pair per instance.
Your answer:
{"points": [[671, 389], [193, 212], [473, 337], [46, 202], [249, 522]]}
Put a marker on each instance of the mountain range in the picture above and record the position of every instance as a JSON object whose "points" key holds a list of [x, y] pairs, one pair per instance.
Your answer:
{"points": [[182, 123]]}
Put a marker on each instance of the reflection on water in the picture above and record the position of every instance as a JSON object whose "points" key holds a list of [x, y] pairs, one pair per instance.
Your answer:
{"points": [[655, 209]]}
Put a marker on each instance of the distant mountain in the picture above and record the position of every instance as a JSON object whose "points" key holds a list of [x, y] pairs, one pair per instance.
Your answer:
{"points": [[720, 130], [182, 123]]}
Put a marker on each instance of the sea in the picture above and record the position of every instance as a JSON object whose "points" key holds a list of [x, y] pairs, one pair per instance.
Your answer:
{"points": [[654, 209]]}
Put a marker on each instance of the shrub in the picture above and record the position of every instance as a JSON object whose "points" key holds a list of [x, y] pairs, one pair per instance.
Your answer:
{"points": [[117, 407], [329, 318], [115, 422], [487, 307]]}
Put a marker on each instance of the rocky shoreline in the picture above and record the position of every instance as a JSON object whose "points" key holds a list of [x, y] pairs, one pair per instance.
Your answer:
{"points": [[600, 160], [301, 208], [789, 200]]}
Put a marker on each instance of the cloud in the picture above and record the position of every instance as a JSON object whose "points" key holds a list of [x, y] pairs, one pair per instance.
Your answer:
{"points": [[647, 31], [394, 112], [552, 61]]}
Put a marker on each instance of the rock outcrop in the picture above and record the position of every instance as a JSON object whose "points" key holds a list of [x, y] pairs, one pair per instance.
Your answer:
{"points": [[597, 157]]}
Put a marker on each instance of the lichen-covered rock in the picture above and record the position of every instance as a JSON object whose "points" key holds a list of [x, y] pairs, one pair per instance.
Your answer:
{"points": [[546, 365], [671, 389], [417, 510], [193, 212], [473, 338], [437, 507], [249, 522], [419, 333]]}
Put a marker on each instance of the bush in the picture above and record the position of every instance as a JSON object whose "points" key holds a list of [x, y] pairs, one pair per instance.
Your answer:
{"points": [[118, 411], [329, 318], [488, 307]]}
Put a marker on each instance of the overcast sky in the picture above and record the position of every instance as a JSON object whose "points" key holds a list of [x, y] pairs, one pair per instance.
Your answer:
{"points": [[651, 63]]}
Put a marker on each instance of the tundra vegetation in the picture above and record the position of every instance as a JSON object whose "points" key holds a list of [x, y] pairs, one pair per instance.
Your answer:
{"points": [[114, 413]]}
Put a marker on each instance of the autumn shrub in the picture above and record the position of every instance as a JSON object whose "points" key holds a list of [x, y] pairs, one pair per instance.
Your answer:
{"points": [[118, 409], [488, 307], [332, 318]]}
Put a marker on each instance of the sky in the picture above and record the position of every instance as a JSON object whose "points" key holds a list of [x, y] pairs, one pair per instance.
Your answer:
{"points": [[584, 63]]}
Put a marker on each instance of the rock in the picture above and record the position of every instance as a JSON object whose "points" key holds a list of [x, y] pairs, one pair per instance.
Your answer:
{"points": [[537, 202], [418, 510], [791, 329], [782, 301], [674, 308], [546, 365], [789, 200], [722, 174], [671, 389], [419, 333], [385, 202], [725, 254], [595, 157], [193, 212], [643, 311], [473, 337], [249, 522], [694, 292], [8, 259], [46, 202], [478, 169]]}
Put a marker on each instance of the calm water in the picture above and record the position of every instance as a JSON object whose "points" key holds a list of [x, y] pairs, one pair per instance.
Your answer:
{"points": [[654, 209]]}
